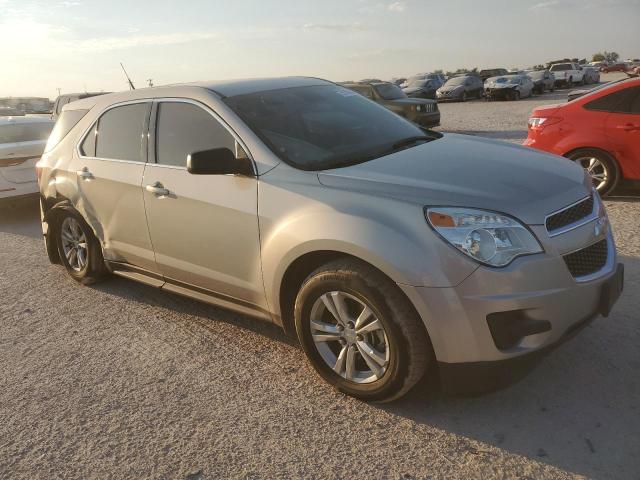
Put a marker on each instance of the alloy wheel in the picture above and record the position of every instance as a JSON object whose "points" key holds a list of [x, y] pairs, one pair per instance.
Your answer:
{"points": [[349, 337], [596, 169], [74, 244]]}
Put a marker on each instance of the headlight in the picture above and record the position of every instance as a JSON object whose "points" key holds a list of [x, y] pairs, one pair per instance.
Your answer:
{"points": [[488, 237]]}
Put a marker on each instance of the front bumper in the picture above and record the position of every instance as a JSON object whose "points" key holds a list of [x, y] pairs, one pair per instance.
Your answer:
{"points": [[539, 289], [427, 120], [449, 97], [499, 93]]}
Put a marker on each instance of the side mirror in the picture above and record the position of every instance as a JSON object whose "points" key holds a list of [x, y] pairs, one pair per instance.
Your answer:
{"points": [[218, 161]]}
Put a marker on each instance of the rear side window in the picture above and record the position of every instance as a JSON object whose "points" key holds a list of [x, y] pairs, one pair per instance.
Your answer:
{"points": [[622, 101], [24, 132], [66, 121], [120, 132], [184, 128]]}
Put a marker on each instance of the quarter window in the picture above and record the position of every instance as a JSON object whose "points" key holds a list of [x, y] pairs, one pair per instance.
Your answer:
{"points": [[184, 128], [120, 133]]}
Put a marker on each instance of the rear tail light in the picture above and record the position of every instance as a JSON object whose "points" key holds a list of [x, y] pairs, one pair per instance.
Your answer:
{"points": [[538, 123], [38, 172]]}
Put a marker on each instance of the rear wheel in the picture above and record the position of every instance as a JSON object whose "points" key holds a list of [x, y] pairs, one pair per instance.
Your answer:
{"points": [[79, 250], [359, 332], [516, 95], [601, 166], [463, 98]]}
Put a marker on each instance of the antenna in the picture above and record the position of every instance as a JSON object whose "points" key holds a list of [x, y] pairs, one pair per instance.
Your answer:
{"points": [[131, 87]]}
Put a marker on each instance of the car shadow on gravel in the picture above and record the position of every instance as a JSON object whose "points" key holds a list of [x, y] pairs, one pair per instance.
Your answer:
{"points": [[140, 293], [578, 410], [17, 216]]}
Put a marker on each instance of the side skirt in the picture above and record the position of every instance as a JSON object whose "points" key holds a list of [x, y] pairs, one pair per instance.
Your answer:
{"points": [[197, 293]]}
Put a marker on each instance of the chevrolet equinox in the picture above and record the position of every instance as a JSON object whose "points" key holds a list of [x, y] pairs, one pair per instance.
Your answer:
{"points": [[387, 249]]}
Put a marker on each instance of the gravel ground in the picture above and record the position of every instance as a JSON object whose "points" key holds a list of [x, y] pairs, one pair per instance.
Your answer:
{"points": [[120, 380]]}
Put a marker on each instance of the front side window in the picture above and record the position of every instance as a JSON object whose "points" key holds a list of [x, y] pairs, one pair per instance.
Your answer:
{"points": [[324, 126], [120, 132], [184, 128]]}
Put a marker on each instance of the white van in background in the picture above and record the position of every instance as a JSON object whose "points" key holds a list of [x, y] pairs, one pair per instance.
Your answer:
{"points": [[22, 141]]}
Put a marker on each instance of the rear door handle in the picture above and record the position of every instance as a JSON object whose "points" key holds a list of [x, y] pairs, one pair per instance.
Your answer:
{"points": [[85, 174], [157, 189]]}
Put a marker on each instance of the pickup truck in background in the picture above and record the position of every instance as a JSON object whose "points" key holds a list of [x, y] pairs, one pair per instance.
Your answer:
{"points": [[567, 74]]}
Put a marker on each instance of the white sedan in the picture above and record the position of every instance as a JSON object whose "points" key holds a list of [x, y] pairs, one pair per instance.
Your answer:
{"points": [[22, 141]]}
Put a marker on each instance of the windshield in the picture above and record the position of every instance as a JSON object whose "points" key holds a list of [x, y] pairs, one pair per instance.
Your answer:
{"points": [[324, 126], [455, 81], [418, 82], [388, 91], [536, 75], [560, 67]]}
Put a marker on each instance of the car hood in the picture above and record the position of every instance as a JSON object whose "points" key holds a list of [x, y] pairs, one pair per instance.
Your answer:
{"points": [[500, 85], [450, 89], [462, 170]]}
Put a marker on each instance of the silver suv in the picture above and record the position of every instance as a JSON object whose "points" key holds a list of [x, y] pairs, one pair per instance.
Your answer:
{"points": [[386, 248]]}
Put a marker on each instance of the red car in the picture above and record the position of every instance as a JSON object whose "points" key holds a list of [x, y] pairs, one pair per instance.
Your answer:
{"points": [[616, 67], [600, 130]]}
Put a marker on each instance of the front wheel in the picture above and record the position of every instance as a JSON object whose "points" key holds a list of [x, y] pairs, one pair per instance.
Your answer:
{"points": [[360, 333], [78, 248], [463, 98], [601, 166]]}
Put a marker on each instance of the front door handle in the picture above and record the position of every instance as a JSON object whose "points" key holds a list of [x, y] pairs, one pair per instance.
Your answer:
{"points": [[85, 174], [157, 189], [628, 127]]}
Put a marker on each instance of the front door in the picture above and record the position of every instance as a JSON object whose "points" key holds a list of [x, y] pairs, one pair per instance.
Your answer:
{"points": [[204, 228]]}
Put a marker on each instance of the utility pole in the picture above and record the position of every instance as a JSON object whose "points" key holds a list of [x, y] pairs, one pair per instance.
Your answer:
{"points": [[150, 81]]}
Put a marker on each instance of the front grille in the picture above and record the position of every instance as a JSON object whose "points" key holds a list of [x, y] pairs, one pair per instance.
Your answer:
{"points": [[588, 260], [570, 215]]}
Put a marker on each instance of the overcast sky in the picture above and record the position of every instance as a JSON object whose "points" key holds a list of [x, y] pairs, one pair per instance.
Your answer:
{"points": [[78, 44]]}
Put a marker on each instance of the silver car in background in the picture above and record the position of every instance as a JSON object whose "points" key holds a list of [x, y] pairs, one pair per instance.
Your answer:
{"points": [[509, 87], [22, 141], [385, 248]]}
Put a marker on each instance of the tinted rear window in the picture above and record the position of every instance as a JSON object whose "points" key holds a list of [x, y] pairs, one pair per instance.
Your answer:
{"points": [[120, 132], [66, 121]]}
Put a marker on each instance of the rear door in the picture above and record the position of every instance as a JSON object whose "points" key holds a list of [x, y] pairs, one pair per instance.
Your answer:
{"points": [[204, 228], [108, 165], [623, 130]]}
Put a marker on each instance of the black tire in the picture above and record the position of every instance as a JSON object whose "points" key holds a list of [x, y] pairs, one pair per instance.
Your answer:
{"points": [[463, 98], [409, 347], [516, 95], [613, 171], [94, 268]]}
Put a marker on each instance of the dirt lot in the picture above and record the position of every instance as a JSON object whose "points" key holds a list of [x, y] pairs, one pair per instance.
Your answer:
{"points": [[120, 380]]}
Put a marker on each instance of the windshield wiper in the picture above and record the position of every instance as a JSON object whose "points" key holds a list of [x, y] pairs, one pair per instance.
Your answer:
{"points": [[410, 141]]}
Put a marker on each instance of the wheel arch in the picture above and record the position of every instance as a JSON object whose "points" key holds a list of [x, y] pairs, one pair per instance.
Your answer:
{"points": [[297, 272]]}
